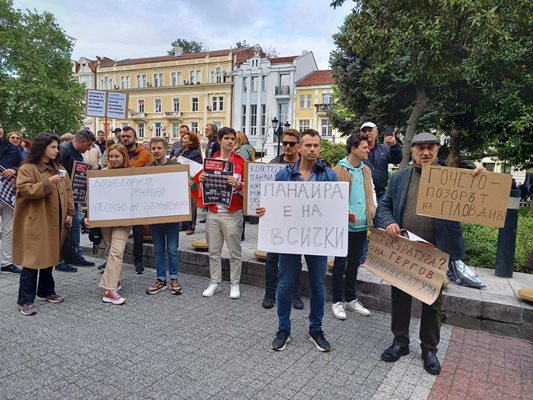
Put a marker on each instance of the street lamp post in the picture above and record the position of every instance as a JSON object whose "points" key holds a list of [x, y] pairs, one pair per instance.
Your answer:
{"points": [[278, 130]]}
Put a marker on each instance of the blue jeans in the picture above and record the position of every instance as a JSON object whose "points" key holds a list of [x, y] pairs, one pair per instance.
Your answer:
{"points": [[271, 276], [289, 270], [166, 241]]}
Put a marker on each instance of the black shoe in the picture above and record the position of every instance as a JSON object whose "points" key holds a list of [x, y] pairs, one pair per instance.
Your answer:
{"points": [[297, 303], [82, 262], [318, 339], [65, 267], [431, 362], [10, 269], [139, 269], [202, 221], [394, 352], [101, 267], [268, 301], [281, 340]]}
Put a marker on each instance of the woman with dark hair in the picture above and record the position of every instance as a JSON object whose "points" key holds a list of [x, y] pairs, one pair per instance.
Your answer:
{"points": [[115, 238], [43, 212], [191, 150]]}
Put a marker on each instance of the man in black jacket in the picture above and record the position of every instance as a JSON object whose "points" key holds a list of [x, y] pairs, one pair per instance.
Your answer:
{"points": [[10, 160], [68, 153]]}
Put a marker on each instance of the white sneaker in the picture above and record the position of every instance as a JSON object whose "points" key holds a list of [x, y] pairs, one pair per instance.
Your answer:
{"points": [[338, 310], [357, 307], [235, 292], [211, 290]]}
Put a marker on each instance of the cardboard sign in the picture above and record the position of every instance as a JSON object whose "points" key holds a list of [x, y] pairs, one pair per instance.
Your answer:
{"points": [[454, 194], [95, 103], [139, 196], [79, 181], [416, 268], [304, 218], [117, 105], [254, 174], [215, 188]]}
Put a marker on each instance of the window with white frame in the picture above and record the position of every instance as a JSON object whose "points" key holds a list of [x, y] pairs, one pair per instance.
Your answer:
{"points": [[243, 118], [175, 130], [198, 76], [107, 83], [263, 118], [283, 113], [194, 127], [157, 106], [141, 106], [192, 77], [157, 129], [173, 79], [304, 124], [244, 84], [176, 104], [179, 78], [140, 129], [141, 80], [194, 104], [123, 82], [253, 119], [128, 84], [255, 83], [327, 98], [302, 101], [305, 101], [264, 83], [218, 75], [325, 127], [158, 79], [217, 103]]}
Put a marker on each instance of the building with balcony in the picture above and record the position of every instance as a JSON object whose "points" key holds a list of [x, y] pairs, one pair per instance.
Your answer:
{"points": [[263, 90], [166, 92], [314, 99]]}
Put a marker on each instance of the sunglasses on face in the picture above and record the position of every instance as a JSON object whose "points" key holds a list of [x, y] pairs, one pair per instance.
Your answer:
{"points": [[292, 144]]}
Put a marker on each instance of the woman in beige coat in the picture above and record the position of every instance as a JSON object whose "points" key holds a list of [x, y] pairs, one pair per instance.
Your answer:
{"points": [[43, 210]]}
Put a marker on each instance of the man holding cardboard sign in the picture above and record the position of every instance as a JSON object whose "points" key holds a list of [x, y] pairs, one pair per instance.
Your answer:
{"points": [[308, 168], [398, 209]]}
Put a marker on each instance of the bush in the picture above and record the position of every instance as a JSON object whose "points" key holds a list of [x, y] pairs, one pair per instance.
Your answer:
{"points": [[481, 243], [332, 153]]}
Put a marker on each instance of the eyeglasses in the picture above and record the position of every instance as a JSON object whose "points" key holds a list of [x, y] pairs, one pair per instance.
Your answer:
{"points": [[292, 144]]}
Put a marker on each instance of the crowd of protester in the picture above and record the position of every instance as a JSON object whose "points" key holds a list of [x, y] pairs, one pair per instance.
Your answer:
{"points": [[44, 213]]}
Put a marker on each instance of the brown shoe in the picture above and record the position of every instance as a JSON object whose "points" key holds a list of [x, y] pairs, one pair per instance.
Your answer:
{"points": [[53, 298], [27, 309], [175, 287], [157, 287]]}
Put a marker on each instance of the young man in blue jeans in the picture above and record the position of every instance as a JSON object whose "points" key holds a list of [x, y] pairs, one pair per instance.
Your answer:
{"points": [[308, 168], [164, 236]]}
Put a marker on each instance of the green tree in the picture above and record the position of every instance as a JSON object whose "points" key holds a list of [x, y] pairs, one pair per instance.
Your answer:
{"points": [[436, 64], [331, 153], [37, 90], [188, 46], [241, 44]]}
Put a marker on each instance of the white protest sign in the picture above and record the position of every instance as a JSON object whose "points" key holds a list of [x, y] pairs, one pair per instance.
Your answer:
{"points": [[95, 103], [304, 218], [117, 105], [193, 165], [254, 174], [138, 196]]}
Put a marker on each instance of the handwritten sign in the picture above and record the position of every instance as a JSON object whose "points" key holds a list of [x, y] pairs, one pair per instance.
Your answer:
{"points": [[215, 187], [139, 196], [454, 194], [79, 181], [117, 104], [416, 268], [8, 191], [304, 218], [95, 103], [254, 174]]}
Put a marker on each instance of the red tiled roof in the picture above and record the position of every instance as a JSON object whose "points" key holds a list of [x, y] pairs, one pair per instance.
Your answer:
{"points": [[282, 60], [188, 56], [317, 78]]}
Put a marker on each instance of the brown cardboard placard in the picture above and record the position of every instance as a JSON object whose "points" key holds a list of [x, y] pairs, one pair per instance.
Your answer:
{"points": [[143, 182], [454, 194], [414, 267]]}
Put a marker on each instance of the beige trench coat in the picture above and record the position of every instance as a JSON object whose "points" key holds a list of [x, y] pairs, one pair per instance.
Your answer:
{"points": [[41, 208]]}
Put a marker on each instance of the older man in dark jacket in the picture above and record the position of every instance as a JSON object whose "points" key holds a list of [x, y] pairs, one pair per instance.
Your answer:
{"points": [[398, 209]]}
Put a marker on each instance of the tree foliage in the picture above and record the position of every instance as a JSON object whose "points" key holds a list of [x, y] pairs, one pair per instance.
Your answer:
{"points": [[458, 67], [37, 89], [188, 46], [331, 153]]}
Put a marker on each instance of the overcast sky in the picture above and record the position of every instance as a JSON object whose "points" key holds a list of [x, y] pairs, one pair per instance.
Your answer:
{"points": [[122, 29]]}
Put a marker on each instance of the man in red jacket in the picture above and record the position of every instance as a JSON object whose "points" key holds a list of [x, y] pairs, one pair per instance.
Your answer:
{"points": [[225, 223]]}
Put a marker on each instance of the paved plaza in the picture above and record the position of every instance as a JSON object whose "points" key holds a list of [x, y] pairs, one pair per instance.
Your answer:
{"points": [[190, 347]]}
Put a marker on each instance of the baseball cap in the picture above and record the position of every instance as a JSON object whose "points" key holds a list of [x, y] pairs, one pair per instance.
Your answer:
{"points": [[368, 125]]}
